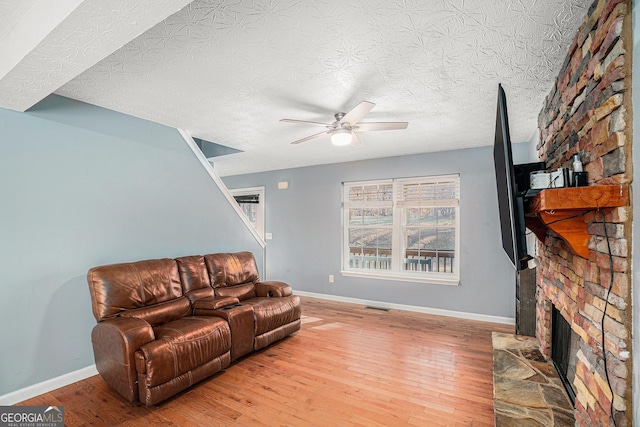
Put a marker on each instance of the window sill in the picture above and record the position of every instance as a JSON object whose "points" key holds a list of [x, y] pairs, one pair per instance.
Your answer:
{"points": [[431, 279]]}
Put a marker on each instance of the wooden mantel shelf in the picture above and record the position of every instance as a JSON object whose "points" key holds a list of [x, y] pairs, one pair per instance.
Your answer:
{"points": [[562, 210]]}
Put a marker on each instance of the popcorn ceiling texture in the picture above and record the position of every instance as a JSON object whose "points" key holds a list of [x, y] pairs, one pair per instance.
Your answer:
{"points": [[228, 71], [587, 113], [93, 30]]}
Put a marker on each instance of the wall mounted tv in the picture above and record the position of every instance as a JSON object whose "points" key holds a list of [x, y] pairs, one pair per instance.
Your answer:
{"points": [[510, 203]]}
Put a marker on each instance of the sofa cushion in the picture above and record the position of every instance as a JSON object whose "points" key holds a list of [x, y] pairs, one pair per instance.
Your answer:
{"points": [[161, 313], [231, 269], [271, 313], [195, 277], [242, 292], [118, 287], [182, 345]]}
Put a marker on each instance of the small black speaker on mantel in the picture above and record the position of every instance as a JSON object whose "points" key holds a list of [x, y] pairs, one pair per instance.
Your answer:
{"points": [[522, 173]]}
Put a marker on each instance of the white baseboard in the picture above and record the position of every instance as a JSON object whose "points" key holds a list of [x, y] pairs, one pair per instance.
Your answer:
{"points": [[47, 386], [415, 308]]}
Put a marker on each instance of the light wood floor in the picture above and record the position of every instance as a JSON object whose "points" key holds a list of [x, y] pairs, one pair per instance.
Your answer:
{"points": [[347, 366]]}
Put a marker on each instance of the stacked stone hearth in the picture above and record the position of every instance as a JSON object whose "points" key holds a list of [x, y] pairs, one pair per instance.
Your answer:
{"points": [[588, 112]]}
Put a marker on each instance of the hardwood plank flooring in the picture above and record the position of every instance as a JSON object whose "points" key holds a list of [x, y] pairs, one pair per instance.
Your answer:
{"points": [[348, 366]]}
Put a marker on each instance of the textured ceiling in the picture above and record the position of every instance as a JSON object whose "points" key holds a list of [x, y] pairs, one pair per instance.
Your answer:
{"points": [[226, 71], [44, 44]]}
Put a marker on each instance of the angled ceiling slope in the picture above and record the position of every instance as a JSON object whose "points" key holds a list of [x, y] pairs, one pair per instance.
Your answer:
{"points": [[211, 149], [44, 44]]}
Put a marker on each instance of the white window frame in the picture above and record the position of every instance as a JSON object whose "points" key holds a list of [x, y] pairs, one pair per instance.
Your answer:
{"points": [[250, 191], [396, 272]]}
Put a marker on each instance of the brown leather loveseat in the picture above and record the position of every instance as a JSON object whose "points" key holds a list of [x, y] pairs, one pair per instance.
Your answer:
{"points": [[165, 324]]}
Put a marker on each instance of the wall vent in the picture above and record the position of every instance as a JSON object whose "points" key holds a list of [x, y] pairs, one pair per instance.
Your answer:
{"points": [[371, 307]]}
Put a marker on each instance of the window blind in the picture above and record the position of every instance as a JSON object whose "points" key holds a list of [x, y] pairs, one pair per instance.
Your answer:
{"points": [[428, 193]]}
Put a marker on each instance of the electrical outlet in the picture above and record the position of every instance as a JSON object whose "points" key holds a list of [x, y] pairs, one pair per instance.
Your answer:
{"points": [[268, 236], [331, 278]]}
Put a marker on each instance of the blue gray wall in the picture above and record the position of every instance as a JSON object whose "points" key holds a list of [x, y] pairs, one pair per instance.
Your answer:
{"points": [[82, 186], [305, 221]]}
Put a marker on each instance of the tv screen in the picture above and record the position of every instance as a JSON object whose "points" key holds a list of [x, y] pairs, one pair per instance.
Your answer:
{"points": [[510, 204]]}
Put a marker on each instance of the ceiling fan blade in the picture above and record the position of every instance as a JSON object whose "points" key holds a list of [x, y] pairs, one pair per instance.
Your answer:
{"points": [[358, 112], [366, 127], [305, 122], [317, 135], [354, 139]]}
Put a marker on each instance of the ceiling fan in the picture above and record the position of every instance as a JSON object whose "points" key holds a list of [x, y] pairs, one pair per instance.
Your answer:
{"points": [[345, 129]]}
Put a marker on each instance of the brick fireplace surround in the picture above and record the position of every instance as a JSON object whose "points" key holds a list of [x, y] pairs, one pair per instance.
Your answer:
{"points": [[588, 112]]}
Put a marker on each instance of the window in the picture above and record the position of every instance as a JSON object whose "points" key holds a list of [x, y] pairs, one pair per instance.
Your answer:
{"points": [[402, 229], [251, 201]]}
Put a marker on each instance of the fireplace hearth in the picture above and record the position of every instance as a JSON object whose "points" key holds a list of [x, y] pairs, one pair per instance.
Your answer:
{"points": [[526, 387]]}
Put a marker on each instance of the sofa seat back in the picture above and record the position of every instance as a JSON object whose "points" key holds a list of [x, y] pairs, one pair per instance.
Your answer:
{"points": [[149, 290], [195, 278], [232, 269]]}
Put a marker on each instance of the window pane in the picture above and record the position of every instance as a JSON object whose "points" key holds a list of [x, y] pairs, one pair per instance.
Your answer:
{"points": [[420, 262], [356, 216], [384, 216], [412, 238], [421, 216], [356, 255], [423, 239], [384, 240], [382, 254], [444, 263], [446, 216], [446, 239], [417, 256], [369, 237], [428, 239], [355, 240], [413, 216], [428, 216], [370, 216], [356, 260], [249, 210], [370, 248]]}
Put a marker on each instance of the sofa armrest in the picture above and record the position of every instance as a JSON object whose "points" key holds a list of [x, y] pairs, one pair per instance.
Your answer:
{"points": [[273, 289], [205, 306], [115, 342]]}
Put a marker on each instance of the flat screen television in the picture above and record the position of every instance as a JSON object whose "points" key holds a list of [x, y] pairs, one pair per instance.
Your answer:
{"points": [[510, 204]]}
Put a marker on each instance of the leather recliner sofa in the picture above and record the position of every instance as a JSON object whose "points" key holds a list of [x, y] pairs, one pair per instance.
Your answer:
{"points": [[166, 324]]}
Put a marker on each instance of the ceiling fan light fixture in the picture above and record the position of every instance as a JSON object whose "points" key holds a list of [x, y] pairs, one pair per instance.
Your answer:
{"points": [[341, 131], [341, 137]]}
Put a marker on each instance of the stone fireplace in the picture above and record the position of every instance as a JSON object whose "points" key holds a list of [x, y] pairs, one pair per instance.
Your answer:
{"points": [[588, 112]]}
